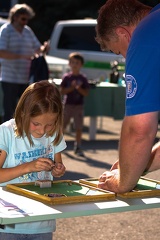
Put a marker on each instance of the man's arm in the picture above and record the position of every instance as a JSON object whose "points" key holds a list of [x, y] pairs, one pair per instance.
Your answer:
{"points": [[137, 137], [154, 163], [10, 56], [43, 48]]}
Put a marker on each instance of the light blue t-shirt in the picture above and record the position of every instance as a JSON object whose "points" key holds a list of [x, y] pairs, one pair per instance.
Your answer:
{"points": [[25, 43], [143, 66], [18, 152]]}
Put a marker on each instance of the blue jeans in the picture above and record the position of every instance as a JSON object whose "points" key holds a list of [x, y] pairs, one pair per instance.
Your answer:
{"points": [[13, 236]]}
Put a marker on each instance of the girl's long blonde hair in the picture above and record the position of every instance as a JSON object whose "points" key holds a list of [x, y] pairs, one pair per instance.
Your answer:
{"points": [[39, 98]]}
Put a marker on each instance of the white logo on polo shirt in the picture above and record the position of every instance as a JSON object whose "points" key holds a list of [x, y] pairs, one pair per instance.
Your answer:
{"points": [[131, 86]]}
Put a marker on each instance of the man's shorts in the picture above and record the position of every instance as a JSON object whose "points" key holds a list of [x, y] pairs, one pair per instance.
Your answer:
{"points": [[76, 112]]}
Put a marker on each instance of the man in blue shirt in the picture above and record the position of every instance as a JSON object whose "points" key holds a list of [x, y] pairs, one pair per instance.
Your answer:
{"points": [[131, 28]]}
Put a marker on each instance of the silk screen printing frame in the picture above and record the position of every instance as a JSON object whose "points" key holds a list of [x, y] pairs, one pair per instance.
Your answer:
{"points": [[72, 192], [145, 187]]}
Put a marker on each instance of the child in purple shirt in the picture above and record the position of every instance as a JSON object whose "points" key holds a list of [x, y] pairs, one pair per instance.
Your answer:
{"points": [[75, 87]]}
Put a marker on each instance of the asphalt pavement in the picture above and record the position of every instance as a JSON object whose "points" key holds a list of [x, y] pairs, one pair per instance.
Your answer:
{"points": [[100, 154]]}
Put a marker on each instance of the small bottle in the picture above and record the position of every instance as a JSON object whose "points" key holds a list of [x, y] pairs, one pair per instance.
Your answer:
{"points": [[102, 78]]}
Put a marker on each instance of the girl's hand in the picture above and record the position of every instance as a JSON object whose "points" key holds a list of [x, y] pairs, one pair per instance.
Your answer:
{"points": [[41, 164], [58, 169]]}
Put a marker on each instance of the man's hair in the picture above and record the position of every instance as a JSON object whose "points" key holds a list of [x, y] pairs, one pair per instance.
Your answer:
{"points": [[116, 13], [77, 56], [19, 9], [39, 98]]}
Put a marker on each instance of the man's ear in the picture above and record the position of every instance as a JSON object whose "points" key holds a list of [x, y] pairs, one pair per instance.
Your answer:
{"points": [[123, 32]]}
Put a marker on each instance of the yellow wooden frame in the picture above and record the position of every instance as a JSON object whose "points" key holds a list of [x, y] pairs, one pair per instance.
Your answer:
{"points": [[101, 195], [135, 193]]}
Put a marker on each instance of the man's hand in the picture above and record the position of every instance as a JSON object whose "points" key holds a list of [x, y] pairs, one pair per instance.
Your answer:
{"points": [[115, 165], [109, 180]]}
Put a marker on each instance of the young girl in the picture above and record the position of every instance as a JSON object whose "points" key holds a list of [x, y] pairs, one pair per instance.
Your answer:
{"points": [[30, 150]]}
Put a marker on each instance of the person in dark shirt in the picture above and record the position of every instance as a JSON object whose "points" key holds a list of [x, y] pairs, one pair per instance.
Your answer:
{"points": [[74, 88]]}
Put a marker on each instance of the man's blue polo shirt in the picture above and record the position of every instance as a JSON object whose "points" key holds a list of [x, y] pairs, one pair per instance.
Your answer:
{"points": [[143, 66]]}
